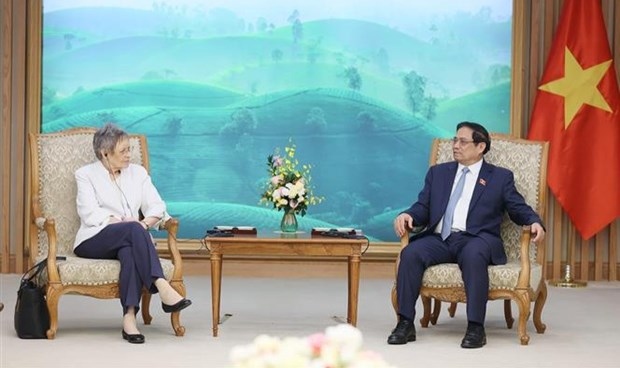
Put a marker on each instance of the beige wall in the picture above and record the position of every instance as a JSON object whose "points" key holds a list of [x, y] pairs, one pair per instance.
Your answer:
{"points": [[534, 23]]}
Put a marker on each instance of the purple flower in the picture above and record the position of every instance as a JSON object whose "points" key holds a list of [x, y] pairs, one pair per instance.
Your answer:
{"points": [[277, 161]]}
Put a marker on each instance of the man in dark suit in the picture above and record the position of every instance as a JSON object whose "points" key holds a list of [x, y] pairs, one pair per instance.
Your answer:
{"points": [[461, 206]]}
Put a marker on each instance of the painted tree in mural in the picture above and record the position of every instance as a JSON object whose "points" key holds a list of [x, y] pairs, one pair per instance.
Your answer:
{"points": [[315, 120], [354, 79], [296, 26], [429, 110], [277, 55], [242, 120], [415, 85]]}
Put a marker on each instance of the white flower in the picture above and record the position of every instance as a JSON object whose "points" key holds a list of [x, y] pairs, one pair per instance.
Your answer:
{"points": [[346, 339], [266, 343], [296, 190], [340, 346]]}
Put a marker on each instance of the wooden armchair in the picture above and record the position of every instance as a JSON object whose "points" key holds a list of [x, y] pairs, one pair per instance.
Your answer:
{"points": [[522, 278], [54, 223]]}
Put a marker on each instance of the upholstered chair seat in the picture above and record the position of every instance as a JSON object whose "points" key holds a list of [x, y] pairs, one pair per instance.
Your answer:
{"points": [[84, 271], [506, 277]]}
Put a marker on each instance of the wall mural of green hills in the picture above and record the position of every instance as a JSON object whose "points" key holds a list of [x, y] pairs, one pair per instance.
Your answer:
{"points": [[215, 92]]}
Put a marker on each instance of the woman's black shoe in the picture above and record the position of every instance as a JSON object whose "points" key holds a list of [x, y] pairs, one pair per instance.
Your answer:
{"points": [[133, 338], [182, 304]]}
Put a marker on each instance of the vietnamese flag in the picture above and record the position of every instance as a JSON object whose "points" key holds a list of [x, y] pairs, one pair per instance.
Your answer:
{"points": [[577, 110]]}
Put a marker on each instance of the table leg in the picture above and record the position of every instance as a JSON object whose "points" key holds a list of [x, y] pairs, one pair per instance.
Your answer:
{"points": [[353, 284], [216, 284]]}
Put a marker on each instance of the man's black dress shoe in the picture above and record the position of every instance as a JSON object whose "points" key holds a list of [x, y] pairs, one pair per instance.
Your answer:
{"points": [[475, 337], [402, 333], [134, 338], [182, 304]]}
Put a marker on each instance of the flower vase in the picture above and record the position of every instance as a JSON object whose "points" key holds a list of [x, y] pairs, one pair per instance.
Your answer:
{"points": [[289, 222]]}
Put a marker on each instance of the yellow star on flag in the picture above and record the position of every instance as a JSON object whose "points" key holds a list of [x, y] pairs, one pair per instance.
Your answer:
{"points": [[578, 86]]}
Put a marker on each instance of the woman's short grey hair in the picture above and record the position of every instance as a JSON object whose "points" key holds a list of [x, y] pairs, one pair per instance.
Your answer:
{"points": [[106, 139]]}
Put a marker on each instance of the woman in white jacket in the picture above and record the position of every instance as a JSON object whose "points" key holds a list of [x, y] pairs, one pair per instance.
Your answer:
{"points": [[110, 194]]}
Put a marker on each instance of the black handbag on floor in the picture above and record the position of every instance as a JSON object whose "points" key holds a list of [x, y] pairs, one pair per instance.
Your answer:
{"points": [[32, 319]]}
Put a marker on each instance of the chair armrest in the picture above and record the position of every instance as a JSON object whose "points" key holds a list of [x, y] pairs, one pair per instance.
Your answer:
{"points": [[524, 276], [38, 223], [404, 240], [171, 225], [49, 225]]}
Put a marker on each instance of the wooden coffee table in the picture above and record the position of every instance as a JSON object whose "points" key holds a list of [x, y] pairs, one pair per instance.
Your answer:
{"points": [[281, 244]]}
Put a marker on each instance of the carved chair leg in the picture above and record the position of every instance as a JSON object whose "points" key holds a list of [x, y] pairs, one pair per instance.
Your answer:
{"points": [[146, 307], [175, 317], [508, 313], [452, 309], [426, 317], [523, 301], [52, 296], [436, 311], [176, 324], [538, 307]]}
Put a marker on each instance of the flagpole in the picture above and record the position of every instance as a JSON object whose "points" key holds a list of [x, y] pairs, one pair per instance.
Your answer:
{"points": [[568, 281]]}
